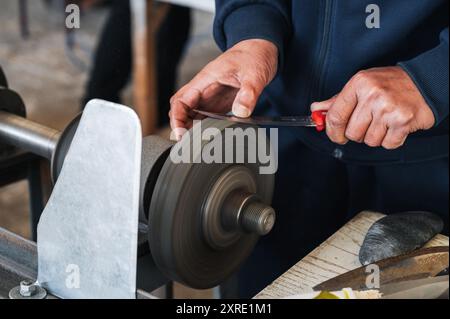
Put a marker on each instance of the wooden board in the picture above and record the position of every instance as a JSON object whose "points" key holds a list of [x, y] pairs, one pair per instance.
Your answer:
{"points": [[337, 255], [146, 18]]}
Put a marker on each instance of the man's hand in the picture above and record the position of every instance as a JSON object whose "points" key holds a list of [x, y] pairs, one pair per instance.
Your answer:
{"points": [[234, 81], [378, 107]]}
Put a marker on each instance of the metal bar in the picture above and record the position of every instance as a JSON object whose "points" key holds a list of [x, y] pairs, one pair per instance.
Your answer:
{"points": [[36, 195], [18, 261], [28, 135]]}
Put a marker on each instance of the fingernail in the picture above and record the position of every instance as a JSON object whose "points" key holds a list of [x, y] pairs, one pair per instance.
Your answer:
{"points": [[241, 111], [177, 133], [315, 106]]}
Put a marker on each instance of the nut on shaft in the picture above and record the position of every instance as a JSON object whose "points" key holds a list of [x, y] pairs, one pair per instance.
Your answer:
{"points": [[258, 218]]}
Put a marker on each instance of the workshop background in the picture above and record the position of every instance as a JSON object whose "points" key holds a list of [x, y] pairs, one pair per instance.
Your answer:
{"points": [[39, 69]]}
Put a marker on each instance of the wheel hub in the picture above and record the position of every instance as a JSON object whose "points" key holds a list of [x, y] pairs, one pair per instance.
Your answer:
{"points": [[204, 219]]}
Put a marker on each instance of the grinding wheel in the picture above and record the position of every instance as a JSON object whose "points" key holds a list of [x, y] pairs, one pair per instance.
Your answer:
{"points": [[63, 147], [188, 236], [155, 151]]}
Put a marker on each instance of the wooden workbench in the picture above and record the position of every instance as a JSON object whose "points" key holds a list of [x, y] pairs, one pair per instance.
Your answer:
{"points": [[337, 255]]}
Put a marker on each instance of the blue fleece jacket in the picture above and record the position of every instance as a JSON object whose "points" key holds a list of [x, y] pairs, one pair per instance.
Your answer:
{"points": [[323, 43]]}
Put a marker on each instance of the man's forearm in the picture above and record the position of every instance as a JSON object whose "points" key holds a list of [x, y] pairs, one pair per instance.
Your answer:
{"points": [[430, 72]]}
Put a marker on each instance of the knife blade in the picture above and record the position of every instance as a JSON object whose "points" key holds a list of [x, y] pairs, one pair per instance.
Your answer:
{"points": [[316, 119], [419, 264], [428, 288]]}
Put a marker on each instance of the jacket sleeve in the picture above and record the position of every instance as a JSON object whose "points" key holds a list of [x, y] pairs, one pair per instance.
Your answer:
{"points": [[239, 20], [430, 72]]}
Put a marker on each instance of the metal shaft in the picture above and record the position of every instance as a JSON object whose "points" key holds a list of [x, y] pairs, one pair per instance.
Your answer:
{"points": [[28, 135]]}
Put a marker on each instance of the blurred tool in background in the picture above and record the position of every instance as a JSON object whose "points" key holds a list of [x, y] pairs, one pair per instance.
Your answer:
{"points": [[23, 19], [112, 63], [110, 66]]}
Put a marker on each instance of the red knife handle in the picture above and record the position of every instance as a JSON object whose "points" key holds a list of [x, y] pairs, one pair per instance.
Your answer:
{"points": [[319, 118]]}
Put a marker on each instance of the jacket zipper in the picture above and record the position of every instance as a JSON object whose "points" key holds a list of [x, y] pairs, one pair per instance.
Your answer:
{"points": [[323, 53]]}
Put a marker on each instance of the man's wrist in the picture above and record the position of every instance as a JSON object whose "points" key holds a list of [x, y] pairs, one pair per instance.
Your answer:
{"points": [[260, 47]]}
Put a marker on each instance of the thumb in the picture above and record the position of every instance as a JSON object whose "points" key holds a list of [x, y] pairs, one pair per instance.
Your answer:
{"points": [[246, 99], [324, 105]]}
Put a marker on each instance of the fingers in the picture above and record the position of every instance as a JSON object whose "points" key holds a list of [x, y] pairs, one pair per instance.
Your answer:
{"points": [[323, 106], [340, 112], [359, 123], [246, 98], [379, 107], [375, 134], [394, 139], [180, 110], [374, 131], [186, 99]]}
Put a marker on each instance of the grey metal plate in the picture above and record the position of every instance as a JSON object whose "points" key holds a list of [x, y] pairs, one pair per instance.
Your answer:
{"points": [[18, 261], [87, 235]]}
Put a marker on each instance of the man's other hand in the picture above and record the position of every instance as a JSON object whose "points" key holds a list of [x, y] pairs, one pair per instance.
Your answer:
{"points": [[378, 107]]}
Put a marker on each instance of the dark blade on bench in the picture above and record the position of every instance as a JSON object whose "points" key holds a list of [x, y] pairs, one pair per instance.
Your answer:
{"points": [[419, 264], [293, 121]]}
